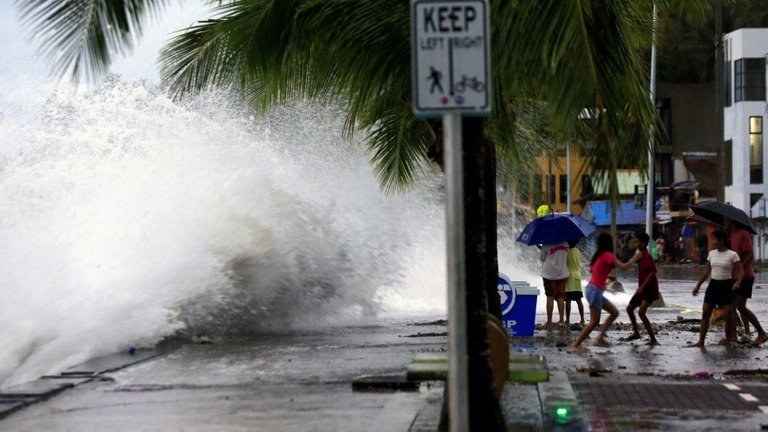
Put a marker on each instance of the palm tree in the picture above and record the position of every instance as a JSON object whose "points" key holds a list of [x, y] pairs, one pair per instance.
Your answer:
{"points": [[570, 55]]}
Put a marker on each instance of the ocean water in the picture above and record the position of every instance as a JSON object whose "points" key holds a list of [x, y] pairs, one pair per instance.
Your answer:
{"points": [[128, 218]]}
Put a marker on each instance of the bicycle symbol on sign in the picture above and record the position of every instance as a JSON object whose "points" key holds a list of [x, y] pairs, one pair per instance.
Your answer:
{"points": [[472, 83]]}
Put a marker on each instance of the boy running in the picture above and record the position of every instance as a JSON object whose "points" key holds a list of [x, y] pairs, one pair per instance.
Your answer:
{"points": [[647, 290]]}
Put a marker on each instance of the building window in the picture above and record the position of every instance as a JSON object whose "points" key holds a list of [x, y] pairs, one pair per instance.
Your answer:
{"points": [[550, 189], [525, 191], [728, 163], [537, 188], [664, 107], [563, 189], [640, 196], [728, 85], [586, 186], [750, 79], [727, 74], [756, 149]]}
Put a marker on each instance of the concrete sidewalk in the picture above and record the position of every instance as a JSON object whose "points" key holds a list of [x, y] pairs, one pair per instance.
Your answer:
{"points": [[91, 396], [289, 382]]}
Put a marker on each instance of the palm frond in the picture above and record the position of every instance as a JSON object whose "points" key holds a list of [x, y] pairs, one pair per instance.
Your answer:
{"points": [[398, 143], [585, 55], [199, 58], [80, 38], [575, 55]]}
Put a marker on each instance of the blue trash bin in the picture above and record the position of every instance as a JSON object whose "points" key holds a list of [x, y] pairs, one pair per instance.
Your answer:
{"points": [[518, 306]]}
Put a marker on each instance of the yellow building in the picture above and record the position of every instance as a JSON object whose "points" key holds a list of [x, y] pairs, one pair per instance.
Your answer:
{"points": [[550, 186], [552, 181]]}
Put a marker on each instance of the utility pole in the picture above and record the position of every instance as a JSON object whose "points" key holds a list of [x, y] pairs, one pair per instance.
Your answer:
{"points": [[649, 188], [719, 101]]}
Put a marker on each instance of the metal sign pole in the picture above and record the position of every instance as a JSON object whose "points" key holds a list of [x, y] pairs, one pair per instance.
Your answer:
{"points": [[452, 76], [458, 389]]}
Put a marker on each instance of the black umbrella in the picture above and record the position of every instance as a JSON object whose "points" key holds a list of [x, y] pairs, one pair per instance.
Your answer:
{"points": [[716, 212]]}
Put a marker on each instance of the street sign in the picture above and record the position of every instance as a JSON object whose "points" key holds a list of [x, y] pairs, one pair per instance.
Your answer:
{"points": [[507, 294], [451, 57]]}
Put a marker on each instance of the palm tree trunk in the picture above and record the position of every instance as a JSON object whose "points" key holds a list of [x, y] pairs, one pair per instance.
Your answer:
{"points": [[479, 180], [491, 254]]}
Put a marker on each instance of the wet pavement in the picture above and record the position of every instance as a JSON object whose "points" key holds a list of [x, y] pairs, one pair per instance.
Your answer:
{"points": [[302, 381], [652, 404], [289, 382], [669, 387]]}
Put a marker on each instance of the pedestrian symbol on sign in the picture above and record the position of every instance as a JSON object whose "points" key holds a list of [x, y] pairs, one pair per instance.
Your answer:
{"points": [[435, 76]]}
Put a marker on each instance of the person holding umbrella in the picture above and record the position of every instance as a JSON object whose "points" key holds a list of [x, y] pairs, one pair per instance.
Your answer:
{"points": [[554, 272], [603, 261], [738, 229], [741, 243], [551, 233], [721, 263]]}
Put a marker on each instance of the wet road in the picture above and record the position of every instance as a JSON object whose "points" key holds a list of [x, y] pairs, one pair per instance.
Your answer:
{"points": [[631, 386], [673, 329]]}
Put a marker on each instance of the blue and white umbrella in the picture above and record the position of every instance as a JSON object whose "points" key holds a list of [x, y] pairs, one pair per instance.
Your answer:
{"points": [[556, 228]]}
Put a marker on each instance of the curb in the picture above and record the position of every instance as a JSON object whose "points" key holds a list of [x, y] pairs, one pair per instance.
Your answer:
{"points": [[521, 407], [522, 403], [559, 405], [19, 396], [523, 367]]}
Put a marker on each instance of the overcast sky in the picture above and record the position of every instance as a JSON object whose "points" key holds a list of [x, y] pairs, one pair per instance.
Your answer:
{"points": [[20, 64]]}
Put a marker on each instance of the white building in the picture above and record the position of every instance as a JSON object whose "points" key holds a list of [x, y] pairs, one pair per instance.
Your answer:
{"points": [[745, 54]]}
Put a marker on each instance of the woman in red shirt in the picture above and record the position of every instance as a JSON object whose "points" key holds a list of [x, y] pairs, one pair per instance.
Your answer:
{"points": [[603, 261]]}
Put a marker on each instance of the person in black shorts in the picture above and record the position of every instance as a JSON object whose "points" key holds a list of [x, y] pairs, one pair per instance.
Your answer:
{"points": [[647, 290], [741, 243], [721, 261]]}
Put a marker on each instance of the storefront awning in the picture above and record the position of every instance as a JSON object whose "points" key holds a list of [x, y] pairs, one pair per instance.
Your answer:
{"points": [[626, 213]]}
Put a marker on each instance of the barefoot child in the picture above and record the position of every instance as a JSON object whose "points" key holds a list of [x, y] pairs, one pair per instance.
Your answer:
{"points": [[647, 290], [741, 243], [573, 285], [720, 262], [602, 262]]}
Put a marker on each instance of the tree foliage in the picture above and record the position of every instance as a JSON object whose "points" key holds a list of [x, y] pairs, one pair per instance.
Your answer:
{"points": [[688, 40], [553, 58], [80, 38]]}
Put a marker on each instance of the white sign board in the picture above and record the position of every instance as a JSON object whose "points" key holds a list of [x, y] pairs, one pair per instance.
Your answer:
{"points": [[451, 57]]}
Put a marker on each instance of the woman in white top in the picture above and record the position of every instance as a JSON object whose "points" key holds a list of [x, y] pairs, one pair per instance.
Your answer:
{"points": [[720, 262]]}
